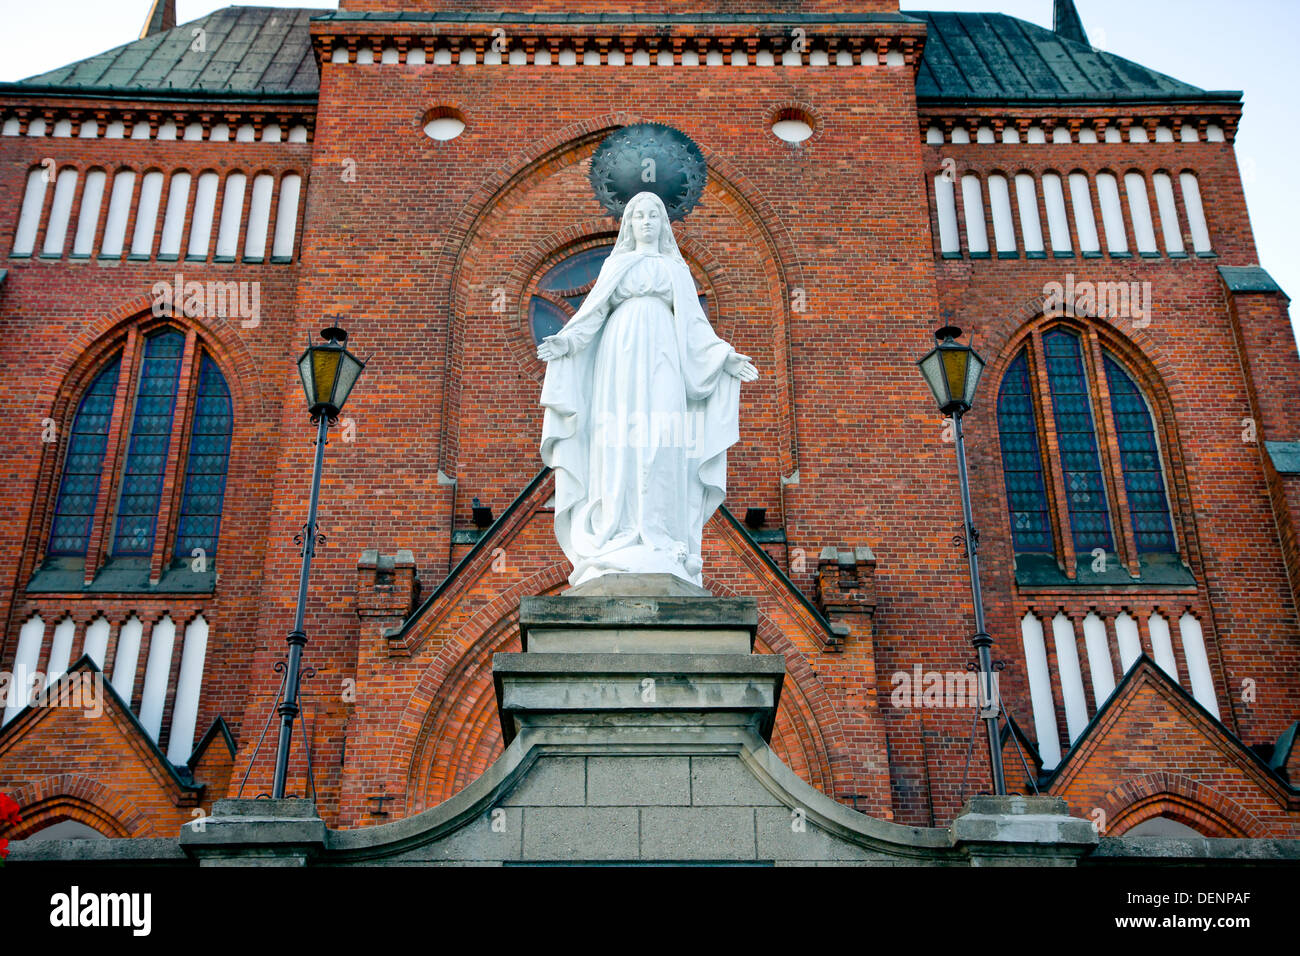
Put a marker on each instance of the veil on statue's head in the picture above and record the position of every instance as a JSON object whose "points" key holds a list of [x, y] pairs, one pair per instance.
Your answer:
{"points": [[626, 242]]}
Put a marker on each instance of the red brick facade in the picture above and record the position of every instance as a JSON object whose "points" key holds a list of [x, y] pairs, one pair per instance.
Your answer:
{"points": [[821, 260]]}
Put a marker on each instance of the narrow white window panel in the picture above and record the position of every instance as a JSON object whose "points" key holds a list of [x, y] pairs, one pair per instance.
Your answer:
{"points": [[960, 134], [1087, 135], [339, 54], [205, 205], [1058, 223], [96, 641], [146, 213], [60, 650], [1139, 210], [1061, 134], [985, 135], [156, 673], [1036, 134], [946, 208], [1004, 230], [1162, 645], [1071, 677], [128, 658], [413, 57], [1114, 134], [56, 232], [92, 200], [232, 209], [26, 659], [1128, 639], [1189, 134], [1195, 212], [178, 198], [185, 712], [1138, 134], [934, 135], [442, 56], [119, 214], [972, 199], [1112, 212], [1085, 224], [29, 220], [1099, 663], [1198, 662], [286, 217], [1040, 691], [1031, 228], [1169, 226], [1010, 134], [259, 217]]}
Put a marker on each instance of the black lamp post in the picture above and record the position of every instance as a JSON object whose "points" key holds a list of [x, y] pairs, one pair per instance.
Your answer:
{"points": [[953, 371], [328, 373]]}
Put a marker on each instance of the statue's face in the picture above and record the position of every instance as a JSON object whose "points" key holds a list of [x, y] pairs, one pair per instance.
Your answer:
{"points": [[646, 224]]}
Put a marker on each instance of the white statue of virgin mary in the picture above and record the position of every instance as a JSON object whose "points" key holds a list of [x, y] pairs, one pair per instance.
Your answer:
{"points": [[642, 402]]}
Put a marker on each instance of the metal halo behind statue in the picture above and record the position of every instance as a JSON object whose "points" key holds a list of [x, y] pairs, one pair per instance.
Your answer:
{"points": [[648, 157]]}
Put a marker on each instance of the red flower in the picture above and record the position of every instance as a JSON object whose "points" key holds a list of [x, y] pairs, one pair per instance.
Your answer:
{"points": [[4, 849], [8, 810]]}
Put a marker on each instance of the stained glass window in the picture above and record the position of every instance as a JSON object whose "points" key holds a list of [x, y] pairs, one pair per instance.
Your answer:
{"points": [[1070, 402], [206, 465], [146, 457], [79, 487], [1139, 455], [1031, 526], [1077, 436]]}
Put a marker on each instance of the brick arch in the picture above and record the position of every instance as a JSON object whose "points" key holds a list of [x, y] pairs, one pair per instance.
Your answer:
{"points": [[563, 148], [1180, 798], [86, 351], [454, 705], [77, 797]]}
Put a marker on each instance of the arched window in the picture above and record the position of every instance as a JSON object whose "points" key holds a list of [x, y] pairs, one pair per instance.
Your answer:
{"points": [[1082, 466], [122, 501]]}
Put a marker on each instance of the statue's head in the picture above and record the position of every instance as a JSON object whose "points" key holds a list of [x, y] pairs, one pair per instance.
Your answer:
{"points": [[645, 223]]}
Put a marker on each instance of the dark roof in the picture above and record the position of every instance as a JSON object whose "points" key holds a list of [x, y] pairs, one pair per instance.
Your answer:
{"points": [[994, 58], [247, 50], [266, 52]]}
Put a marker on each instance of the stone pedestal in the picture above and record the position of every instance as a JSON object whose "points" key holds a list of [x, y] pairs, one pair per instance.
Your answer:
{"points": [[285, 832], [645, 657], [1021, 831]]}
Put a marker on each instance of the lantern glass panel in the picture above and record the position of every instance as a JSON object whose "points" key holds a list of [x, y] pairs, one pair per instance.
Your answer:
{"points": [[932, 370]]}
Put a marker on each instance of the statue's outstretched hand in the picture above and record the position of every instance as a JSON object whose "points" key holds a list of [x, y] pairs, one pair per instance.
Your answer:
{"points": [[741, 367], [552, 347]]}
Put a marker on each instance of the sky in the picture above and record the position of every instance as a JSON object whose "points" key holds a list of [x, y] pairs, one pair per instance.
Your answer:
{"points": [[1248, 45]]}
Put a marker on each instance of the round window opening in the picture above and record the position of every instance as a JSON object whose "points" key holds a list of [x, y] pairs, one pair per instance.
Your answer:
{"points": [[443, 123], [792, 126]]}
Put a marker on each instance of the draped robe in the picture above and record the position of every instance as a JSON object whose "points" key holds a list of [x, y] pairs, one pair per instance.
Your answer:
{"points": [[630, 520]]}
